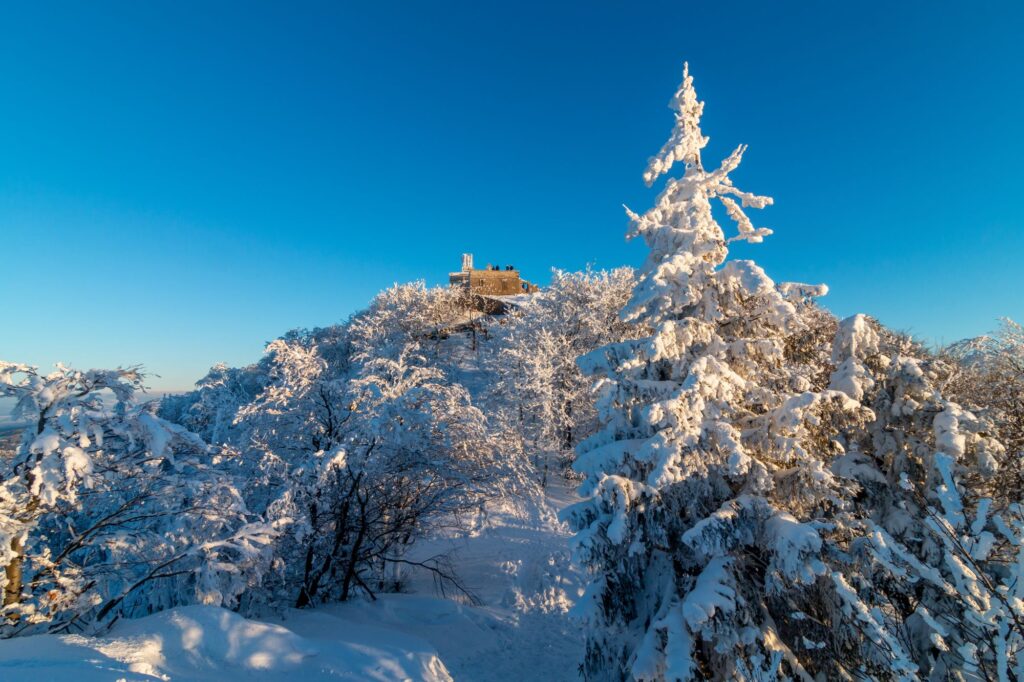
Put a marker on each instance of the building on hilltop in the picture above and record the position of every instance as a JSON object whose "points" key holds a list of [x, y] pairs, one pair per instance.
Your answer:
{"points": [[493, 280], [492, 290], [487, 292]]}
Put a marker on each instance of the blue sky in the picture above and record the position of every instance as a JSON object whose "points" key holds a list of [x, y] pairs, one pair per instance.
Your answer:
{"points": [[182, 182]]}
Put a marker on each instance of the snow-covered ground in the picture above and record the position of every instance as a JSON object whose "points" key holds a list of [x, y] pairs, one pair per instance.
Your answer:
{"points": [[518, 570], [205, 643]]}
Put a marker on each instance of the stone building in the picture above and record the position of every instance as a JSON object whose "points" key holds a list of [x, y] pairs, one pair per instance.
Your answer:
{"points": [[494, 280]]}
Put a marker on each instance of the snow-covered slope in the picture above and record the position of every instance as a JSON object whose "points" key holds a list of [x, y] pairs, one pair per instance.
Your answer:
{"points": [[519, 571], [517, 629], [205, 643]]}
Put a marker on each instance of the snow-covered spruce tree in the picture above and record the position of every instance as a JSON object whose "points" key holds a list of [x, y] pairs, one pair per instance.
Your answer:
{"points": [[710, 502], [110, 511], [940, 554]]}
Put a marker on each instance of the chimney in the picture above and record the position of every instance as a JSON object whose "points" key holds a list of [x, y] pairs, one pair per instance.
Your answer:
{"points": [[467, 262]]}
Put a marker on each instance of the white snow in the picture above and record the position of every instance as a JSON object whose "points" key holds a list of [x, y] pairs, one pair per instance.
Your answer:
{"points": [[194, 642], [517, 569], [211, 643]]}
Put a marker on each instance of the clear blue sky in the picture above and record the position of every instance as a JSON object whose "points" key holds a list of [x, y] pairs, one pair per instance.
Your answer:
{"points": [[181, 182]]}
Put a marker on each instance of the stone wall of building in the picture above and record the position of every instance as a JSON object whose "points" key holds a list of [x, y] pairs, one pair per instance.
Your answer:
{"points": [[489, 281]]}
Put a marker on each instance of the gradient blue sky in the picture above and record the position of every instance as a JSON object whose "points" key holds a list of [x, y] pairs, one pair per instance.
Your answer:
{"points": [[182, 182]]}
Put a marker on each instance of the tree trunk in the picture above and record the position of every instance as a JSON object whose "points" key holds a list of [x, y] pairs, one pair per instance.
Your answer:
{"points": [[307, 591], [13, 571], [353, 558]]}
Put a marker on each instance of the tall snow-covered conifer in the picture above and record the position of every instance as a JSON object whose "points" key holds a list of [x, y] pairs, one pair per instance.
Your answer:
{"points": [[708, 491]]}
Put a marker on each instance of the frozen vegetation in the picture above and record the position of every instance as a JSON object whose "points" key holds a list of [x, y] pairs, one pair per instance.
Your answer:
{"points": [[690, 471]]}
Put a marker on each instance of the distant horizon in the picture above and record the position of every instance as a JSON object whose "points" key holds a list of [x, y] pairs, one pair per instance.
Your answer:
{"points": [[153, 390], [182, 183], [7, 405]]}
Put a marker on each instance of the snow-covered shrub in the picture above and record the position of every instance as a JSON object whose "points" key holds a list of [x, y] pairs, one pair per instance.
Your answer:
{"points": [[937, 567], [407, 314], [541, 393], [109, 511], [361, 463], [209, 410], [990, 380]]}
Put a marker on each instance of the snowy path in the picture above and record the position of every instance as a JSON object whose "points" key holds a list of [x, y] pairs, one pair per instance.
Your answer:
{"points": [[521, 573]]}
